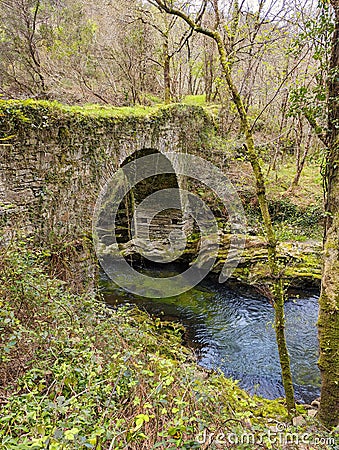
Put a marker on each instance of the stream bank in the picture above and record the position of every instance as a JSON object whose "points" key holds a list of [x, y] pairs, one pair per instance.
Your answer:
{"points": [[77, 374], [300, 261], [230, 328]]}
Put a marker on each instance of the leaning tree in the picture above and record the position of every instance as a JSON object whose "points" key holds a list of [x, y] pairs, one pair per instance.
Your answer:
{"points": [[226, 58]]}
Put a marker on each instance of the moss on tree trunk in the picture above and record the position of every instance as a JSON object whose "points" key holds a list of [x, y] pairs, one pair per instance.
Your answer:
{"points": [[278, 296], [328, 322], [277, 291], [328, 326]]}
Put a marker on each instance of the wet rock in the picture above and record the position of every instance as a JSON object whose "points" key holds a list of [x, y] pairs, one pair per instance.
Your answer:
{"points": [[307, 407], [298, 421], [316, 403]]}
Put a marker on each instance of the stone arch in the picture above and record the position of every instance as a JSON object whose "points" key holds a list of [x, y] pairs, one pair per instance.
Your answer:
{"points": [[136, 227], [56, 158]]}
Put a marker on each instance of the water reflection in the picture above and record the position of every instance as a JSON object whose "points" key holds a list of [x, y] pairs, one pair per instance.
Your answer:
{"points": [[234, 332]]}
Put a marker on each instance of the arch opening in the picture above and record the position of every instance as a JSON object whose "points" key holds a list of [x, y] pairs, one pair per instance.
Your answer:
{"points": [[144, 228]]}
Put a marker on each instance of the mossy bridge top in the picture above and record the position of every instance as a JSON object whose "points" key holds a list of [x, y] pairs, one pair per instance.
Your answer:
{"points": [[55, 158]]}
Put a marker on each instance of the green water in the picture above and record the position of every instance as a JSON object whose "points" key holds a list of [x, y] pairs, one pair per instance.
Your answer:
{"points": [[233, 331]]}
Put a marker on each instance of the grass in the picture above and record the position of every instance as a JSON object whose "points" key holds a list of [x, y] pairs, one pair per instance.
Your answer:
{"points": [[308, 193], [155, 106], [96, 110], [310, 189], [78, 375], [200, 100], [112, 111], [195, 100], [297, 215], [301, 210], [92, 110]]}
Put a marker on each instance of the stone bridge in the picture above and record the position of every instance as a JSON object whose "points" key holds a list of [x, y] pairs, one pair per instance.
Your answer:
{"points": [[54, 160]]}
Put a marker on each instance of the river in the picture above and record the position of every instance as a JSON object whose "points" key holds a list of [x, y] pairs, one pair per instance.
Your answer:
{"points": [[232, 330]]}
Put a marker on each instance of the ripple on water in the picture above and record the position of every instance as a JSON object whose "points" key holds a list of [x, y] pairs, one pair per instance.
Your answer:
{"points": [[235, 333]]}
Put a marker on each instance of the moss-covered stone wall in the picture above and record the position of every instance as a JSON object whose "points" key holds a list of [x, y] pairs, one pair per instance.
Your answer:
{"points": [[54, 159]]}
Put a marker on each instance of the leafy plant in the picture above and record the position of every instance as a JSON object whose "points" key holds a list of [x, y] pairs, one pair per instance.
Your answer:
{"points": [[79, 375]]}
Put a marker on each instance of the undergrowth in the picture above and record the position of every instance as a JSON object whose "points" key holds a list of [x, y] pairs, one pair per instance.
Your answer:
{"points": [[78, 375]]}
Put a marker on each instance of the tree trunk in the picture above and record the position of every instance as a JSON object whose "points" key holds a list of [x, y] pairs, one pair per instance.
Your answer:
{"points": [[208, 74], [301, 163], [273, 163], [167, 69], [190, 75], [328, 322], [277, 291]]}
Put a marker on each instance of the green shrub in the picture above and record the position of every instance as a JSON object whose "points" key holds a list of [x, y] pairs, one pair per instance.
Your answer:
{"points": [[80, 375]]}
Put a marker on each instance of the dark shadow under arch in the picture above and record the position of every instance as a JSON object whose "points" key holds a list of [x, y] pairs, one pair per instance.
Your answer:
{"points": [[161, 224]]}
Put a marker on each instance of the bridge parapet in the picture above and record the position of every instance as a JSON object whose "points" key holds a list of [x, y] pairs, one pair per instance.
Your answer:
{"points": [[54, 159]]}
